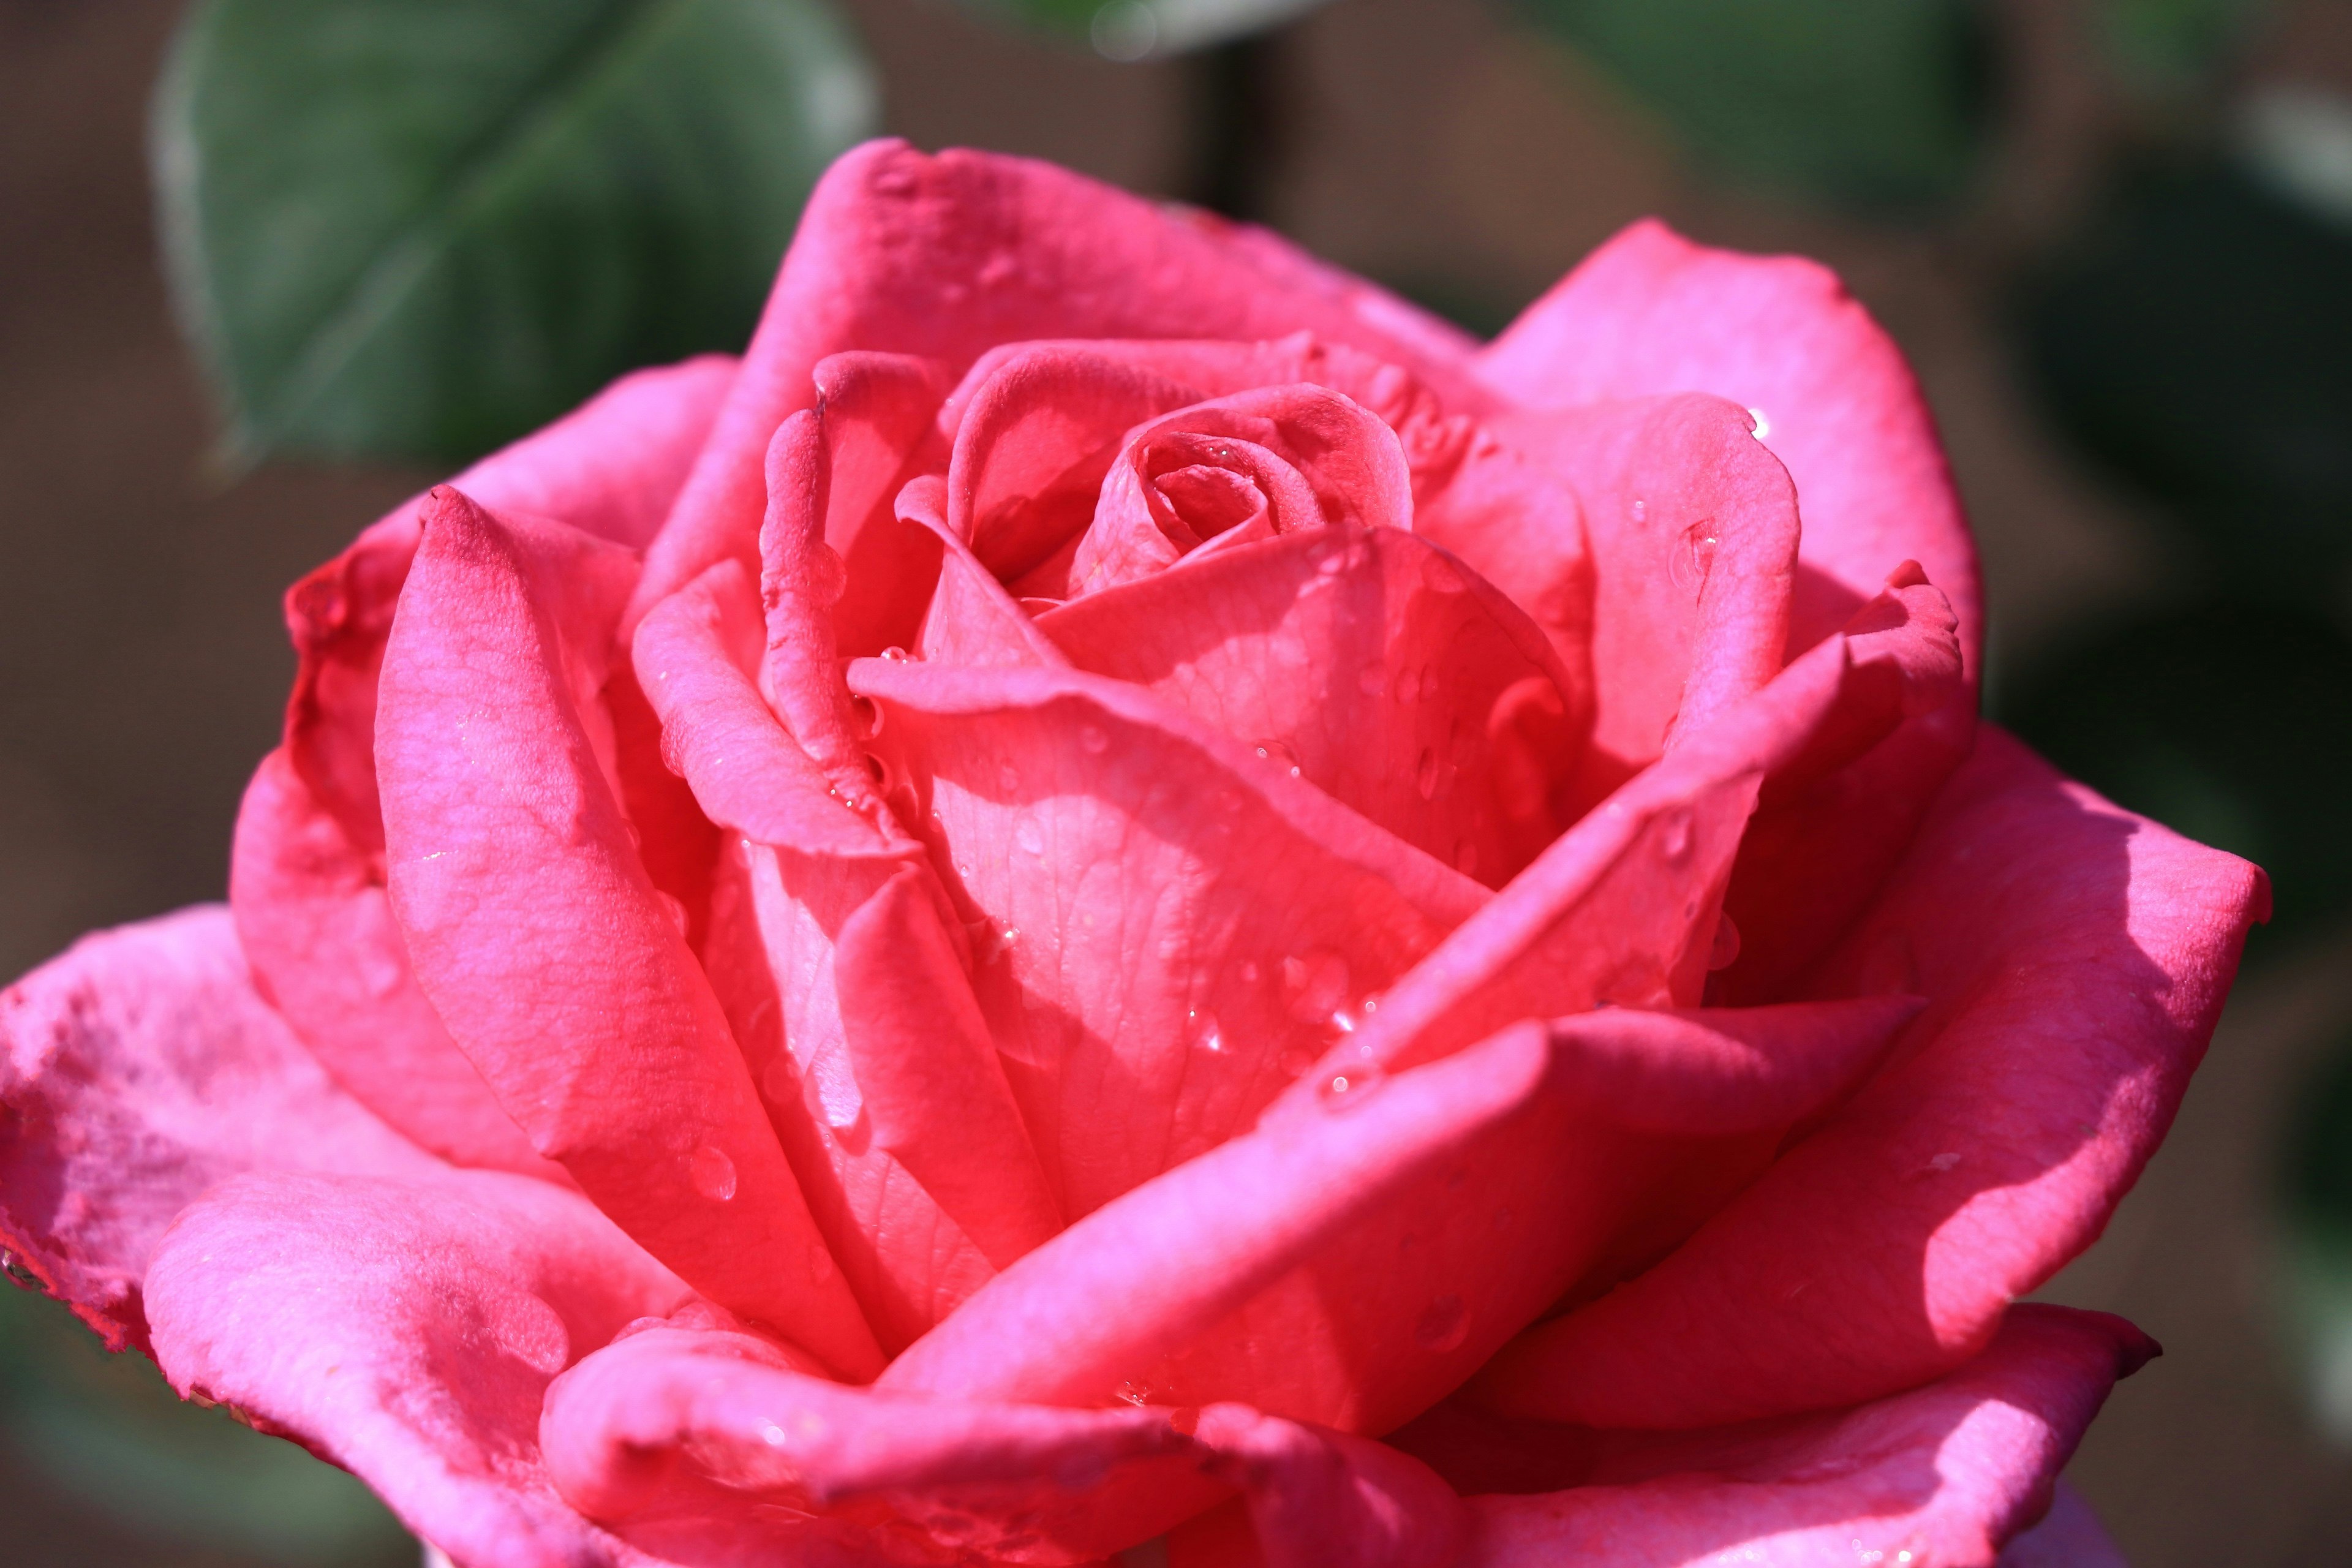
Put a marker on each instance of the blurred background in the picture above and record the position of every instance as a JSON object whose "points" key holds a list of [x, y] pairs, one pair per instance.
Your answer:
{"points": [[367, 240]]}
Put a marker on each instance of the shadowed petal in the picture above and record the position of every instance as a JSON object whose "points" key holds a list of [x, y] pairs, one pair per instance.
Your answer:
{"points": [[2075, 957]]}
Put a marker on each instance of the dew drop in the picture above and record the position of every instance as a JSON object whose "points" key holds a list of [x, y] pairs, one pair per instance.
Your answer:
{"points": [[1026, 833], [1247, 971], [1093, 738], [1724, 952], [1280, 755], [1439, 575], [1407, 686], [1695, 559], [1424, 773], [1763, 425], [1348, 1089], [672, 908], [781, 1080], [827, 575], [1134, 1392], [820, 1262], [713, 1173], [1008, 778], [1641, 510], [895, 655], [1443, 1325], [1674, 837]]}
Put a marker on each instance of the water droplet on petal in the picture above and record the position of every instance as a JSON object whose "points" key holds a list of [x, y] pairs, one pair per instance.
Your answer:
{"points": [[1424, 773], [1443, 1325], [1350, 1087], [1763, 425], [713, 1173], [1407, 686], [895, 655], [1093, 739], [1641, 510], [1134, 1392], [780, 1081], [1247, 971], [821, 1265], [1725, 951], [1674, 837], [1280, 755], [1026, 833], [672, 908], [1695, 559], [1008, 778]]}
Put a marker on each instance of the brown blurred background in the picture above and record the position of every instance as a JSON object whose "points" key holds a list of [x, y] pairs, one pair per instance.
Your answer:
{"points": [[142, 661]]}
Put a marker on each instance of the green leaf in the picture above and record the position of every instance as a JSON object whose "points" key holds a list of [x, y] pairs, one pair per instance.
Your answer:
{"points": [[1876, 105], [1147, 30], [109, 1430], [417, 228]]}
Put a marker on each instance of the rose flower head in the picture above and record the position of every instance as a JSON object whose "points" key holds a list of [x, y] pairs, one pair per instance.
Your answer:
{"points": [[1118, 891]]}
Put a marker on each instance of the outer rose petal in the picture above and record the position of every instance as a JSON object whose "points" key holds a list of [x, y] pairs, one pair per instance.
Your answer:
{"points": [[137, 1070], [877, 412], [1650, 312], [712, 1446], [1945, 1473], [2068, 1536], [407, 1331], [307, 876], [1319, 1498], [540, 942], [2075, 957], [949, 256]]}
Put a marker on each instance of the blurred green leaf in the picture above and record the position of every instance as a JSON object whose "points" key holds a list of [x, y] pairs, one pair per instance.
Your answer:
{"points": [[1882, 104], [109, 1429], [417, 228], [1143, 29], [2197, 340], [2170, 44], [2231, 723]]}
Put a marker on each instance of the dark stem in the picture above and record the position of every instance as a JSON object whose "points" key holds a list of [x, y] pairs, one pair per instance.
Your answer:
{"points": [[1240, 133]]}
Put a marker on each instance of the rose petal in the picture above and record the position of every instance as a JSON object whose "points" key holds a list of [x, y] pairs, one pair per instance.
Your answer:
{"points": [[1171, 925], [877, 410], [929, 1073], [1315, 459], [1033, 442], [545, 949], [1368, 662], [947, 256], [136, 1071], [1692, 526], [972, 619], [1938, 1476], [1318, 1498], [1650, 312], [672, 1434], [314, 921], [2075, 957], [798, 865], [407, 1331], [307, 874], [1621, 908], [1128, 1284]]}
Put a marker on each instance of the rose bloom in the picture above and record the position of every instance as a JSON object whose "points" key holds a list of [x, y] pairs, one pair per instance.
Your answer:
{"points": [[1120, 889]]}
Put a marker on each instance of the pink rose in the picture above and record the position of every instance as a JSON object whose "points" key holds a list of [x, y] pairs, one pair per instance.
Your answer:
{"points": [[1261, 923]]}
